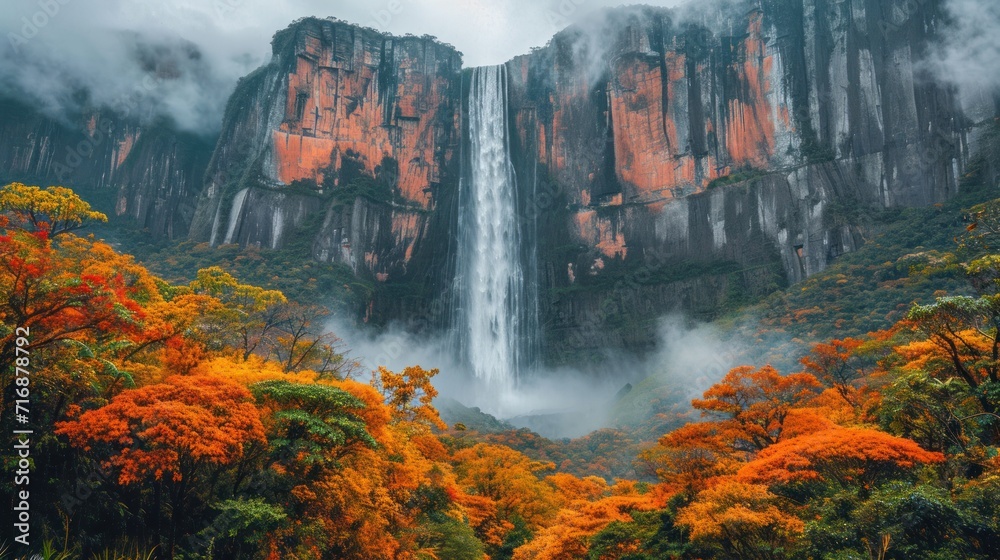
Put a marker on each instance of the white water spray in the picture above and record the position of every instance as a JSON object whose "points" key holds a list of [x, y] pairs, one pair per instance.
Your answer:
{"points": [[234, 214], [494, 314]]}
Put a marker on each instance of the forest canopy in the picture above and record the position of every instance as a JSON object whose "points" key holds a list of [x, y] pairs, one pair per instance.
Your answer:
{"points": [[218, 419]]}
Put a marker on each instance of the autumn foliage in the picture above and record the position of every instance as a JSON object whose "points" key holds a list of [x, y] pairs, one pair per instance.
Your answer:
{"points": [[168, 430], [219, 420], [850, 457]]}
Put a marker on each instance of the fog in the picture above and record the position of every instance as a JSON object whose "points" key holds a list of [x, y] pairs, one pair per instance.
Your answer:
{"points": [[181, 59], [560, 401], [969, 50]]}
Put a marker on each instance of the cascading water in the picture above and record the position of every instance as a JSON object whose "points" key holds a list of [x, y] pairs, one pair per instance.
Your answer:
{"points": [[495, 316], [234, 214]]}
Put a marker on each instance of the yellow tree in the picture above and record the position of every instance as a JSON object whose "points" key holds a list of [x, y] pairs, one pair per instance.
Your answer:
{"points": [[250, 315], [569, 536], [55, 210], [507, 478], [742, 520], [410, 395]]}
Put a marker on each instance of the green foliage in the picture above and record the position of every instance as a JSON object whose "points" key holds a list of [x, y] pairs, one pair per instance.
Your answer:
{"points": [[240, 525], [50, 552], [908, 256], [291, 271], [618, 536], [450, 538], [355, 182], [737, 177], [899, 521], [127, 552], [517, 536], [983, 230], [928, 411], [311, 419], [650, 535]]}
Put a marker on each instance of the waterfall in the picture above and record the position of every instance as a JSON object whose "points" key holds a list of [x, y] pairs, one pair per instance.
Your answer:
{"points": [[215, 223], [277, 226], [497, 324], [234, 214]]}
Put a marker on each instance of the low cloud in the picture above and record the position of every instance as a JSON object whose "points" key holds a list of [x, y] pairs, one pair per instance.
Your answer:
{"points": [[967, 52], [560, 401], [181, 59]]}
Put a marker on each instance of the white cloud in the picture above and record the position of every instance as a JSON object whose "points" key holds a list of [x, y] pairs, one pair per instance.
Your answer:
{"points": [[969, 53], [53, 49]]}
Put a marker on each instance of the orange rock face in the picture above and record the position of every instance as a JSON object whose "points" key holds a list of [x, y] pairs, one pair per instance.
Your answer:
{"points": [[123, 148], [600, 232], [374, 96], [660, 121], [650, 99], [651, 157], [406, 229], [750, 123]]}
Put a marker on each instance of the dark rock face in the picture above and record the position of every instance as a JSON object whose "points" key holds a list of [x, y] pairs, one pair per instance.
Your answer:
{"points": [[663, 163], [816, 105], [349, 133], [149, 175]]}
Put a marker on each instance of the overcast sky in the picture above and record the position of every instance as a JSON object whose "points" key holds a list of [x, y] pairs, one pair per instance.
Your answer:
{"points": [[486, 31], [88, 45], [56, 48]]}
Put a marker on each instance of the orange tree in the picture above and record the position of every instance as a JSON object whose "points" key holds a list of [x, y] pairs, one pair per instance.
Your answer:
{"points": [[753, 403], [692, 457], [741, 520], [174, 438], [858, 458], [750, 406]]}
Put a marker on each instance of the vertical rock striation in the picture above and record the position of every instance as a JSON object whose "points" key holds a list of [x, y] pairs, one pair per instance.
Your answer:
{"points": [[663, 160], [147, 174], [349, 133], [721, 146]]}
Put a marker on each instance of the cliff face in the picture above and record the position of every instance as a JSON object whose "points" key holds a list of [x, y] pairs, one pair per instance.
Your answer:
{"points": [[670, 105], [348, 133], [149, 175], [662, 163], [656, 150]]}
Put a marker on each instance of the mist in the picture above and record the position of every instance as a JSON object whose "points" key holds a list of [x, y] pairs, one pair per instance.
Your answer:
{"points": [[561, 401], [968, 51], [180, 59]]}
